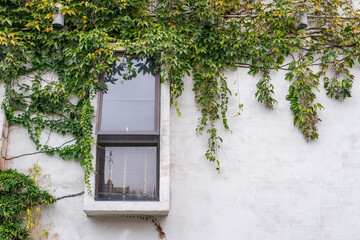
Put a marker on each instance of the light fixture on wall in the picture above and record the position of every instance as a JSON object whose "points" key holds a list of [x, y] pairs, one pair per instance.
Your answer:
{"points": [[59, 20], [302, 23]]}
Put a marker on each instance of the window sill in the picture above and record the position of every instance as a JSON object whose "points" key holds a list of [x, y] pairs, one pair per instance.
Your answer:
{"points": [[114, 208]]}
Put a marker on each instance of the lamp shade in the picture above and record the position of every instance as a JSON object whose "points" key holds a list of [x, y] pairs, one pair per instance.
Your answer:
{"points": [[59, 20], [303, 23]]}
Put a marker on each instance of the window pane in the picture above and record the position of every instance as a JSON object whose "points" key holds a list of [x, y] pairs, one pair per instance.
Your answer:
{"points": [[128, 173], [129, 103]]}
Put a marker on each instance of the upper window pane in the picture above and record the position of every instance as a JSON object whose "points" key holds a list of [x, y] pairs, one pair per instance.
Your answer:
{"points": [[129, 103]]}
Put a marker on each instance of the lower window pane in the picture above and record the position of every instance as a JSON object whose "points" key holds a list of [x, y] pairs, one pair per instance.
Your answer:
{"points": [[128, 173]]}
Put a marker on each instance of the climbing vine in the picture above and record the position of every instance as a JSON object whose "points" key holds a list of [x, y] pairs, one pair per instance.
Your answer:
{"points": [[200, 38]]}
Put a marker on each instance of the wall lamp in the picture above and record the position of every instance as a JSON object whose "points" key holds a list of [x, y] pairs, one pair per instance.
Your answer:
{"points": [[302, 23], [59, 20]]}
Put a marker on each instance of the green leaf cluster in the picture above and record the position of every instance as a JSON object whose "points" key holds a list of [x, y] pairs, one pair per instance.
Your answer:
{"points": [[18, 193]]}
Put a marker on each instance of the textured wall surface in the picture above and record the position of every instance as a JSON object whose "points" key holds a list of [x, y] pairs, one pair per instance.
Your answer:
{"points": [[273, 184]]}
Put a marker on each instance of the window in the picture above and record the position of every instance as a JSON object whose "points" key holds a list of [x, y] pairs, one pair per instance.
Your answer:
{"points": [[128, 132], [133, 143]]}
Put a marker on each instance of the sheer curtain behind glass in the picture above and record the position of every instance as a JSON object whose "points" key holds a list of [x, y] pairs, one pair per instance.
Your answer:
{"points": [[129, 173]]}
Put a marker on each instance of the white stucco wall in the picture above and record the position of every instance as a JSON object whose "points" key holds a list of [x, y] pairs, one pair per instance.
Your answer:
{"points": [[273, 184]]}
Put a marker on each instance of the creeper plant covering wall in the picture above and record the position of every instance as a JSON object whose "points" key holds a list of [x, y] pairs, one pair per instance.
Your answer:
{"points": [[200, 38]]}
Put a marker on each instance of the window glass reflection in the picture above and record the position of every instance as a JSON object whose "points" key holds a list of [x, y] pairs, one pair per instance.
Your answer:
{"points": [[129, 101]]}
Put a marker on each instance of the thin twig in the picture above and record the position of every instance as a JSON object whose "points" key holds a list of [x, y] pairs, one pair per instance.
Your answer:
{"points": [[67, 142], [153, 219], [48, 139], [23, 155], [70, 195], [33, 153]]}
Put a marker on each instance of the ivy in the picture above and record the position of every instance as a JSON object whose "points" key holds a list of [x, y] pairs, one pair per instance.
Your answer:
{"points": [[200, 38], [18, 194]]}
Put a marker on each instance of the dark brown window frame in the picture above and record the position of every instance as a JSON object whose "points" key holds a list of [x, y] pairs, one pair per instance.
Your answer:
{"points": [[135, 138]]}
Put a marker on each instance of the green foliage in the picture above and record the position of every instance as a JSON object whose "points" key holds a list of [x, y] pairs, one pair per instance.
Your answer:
{"points": [[18, 194], [200, 38]]}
